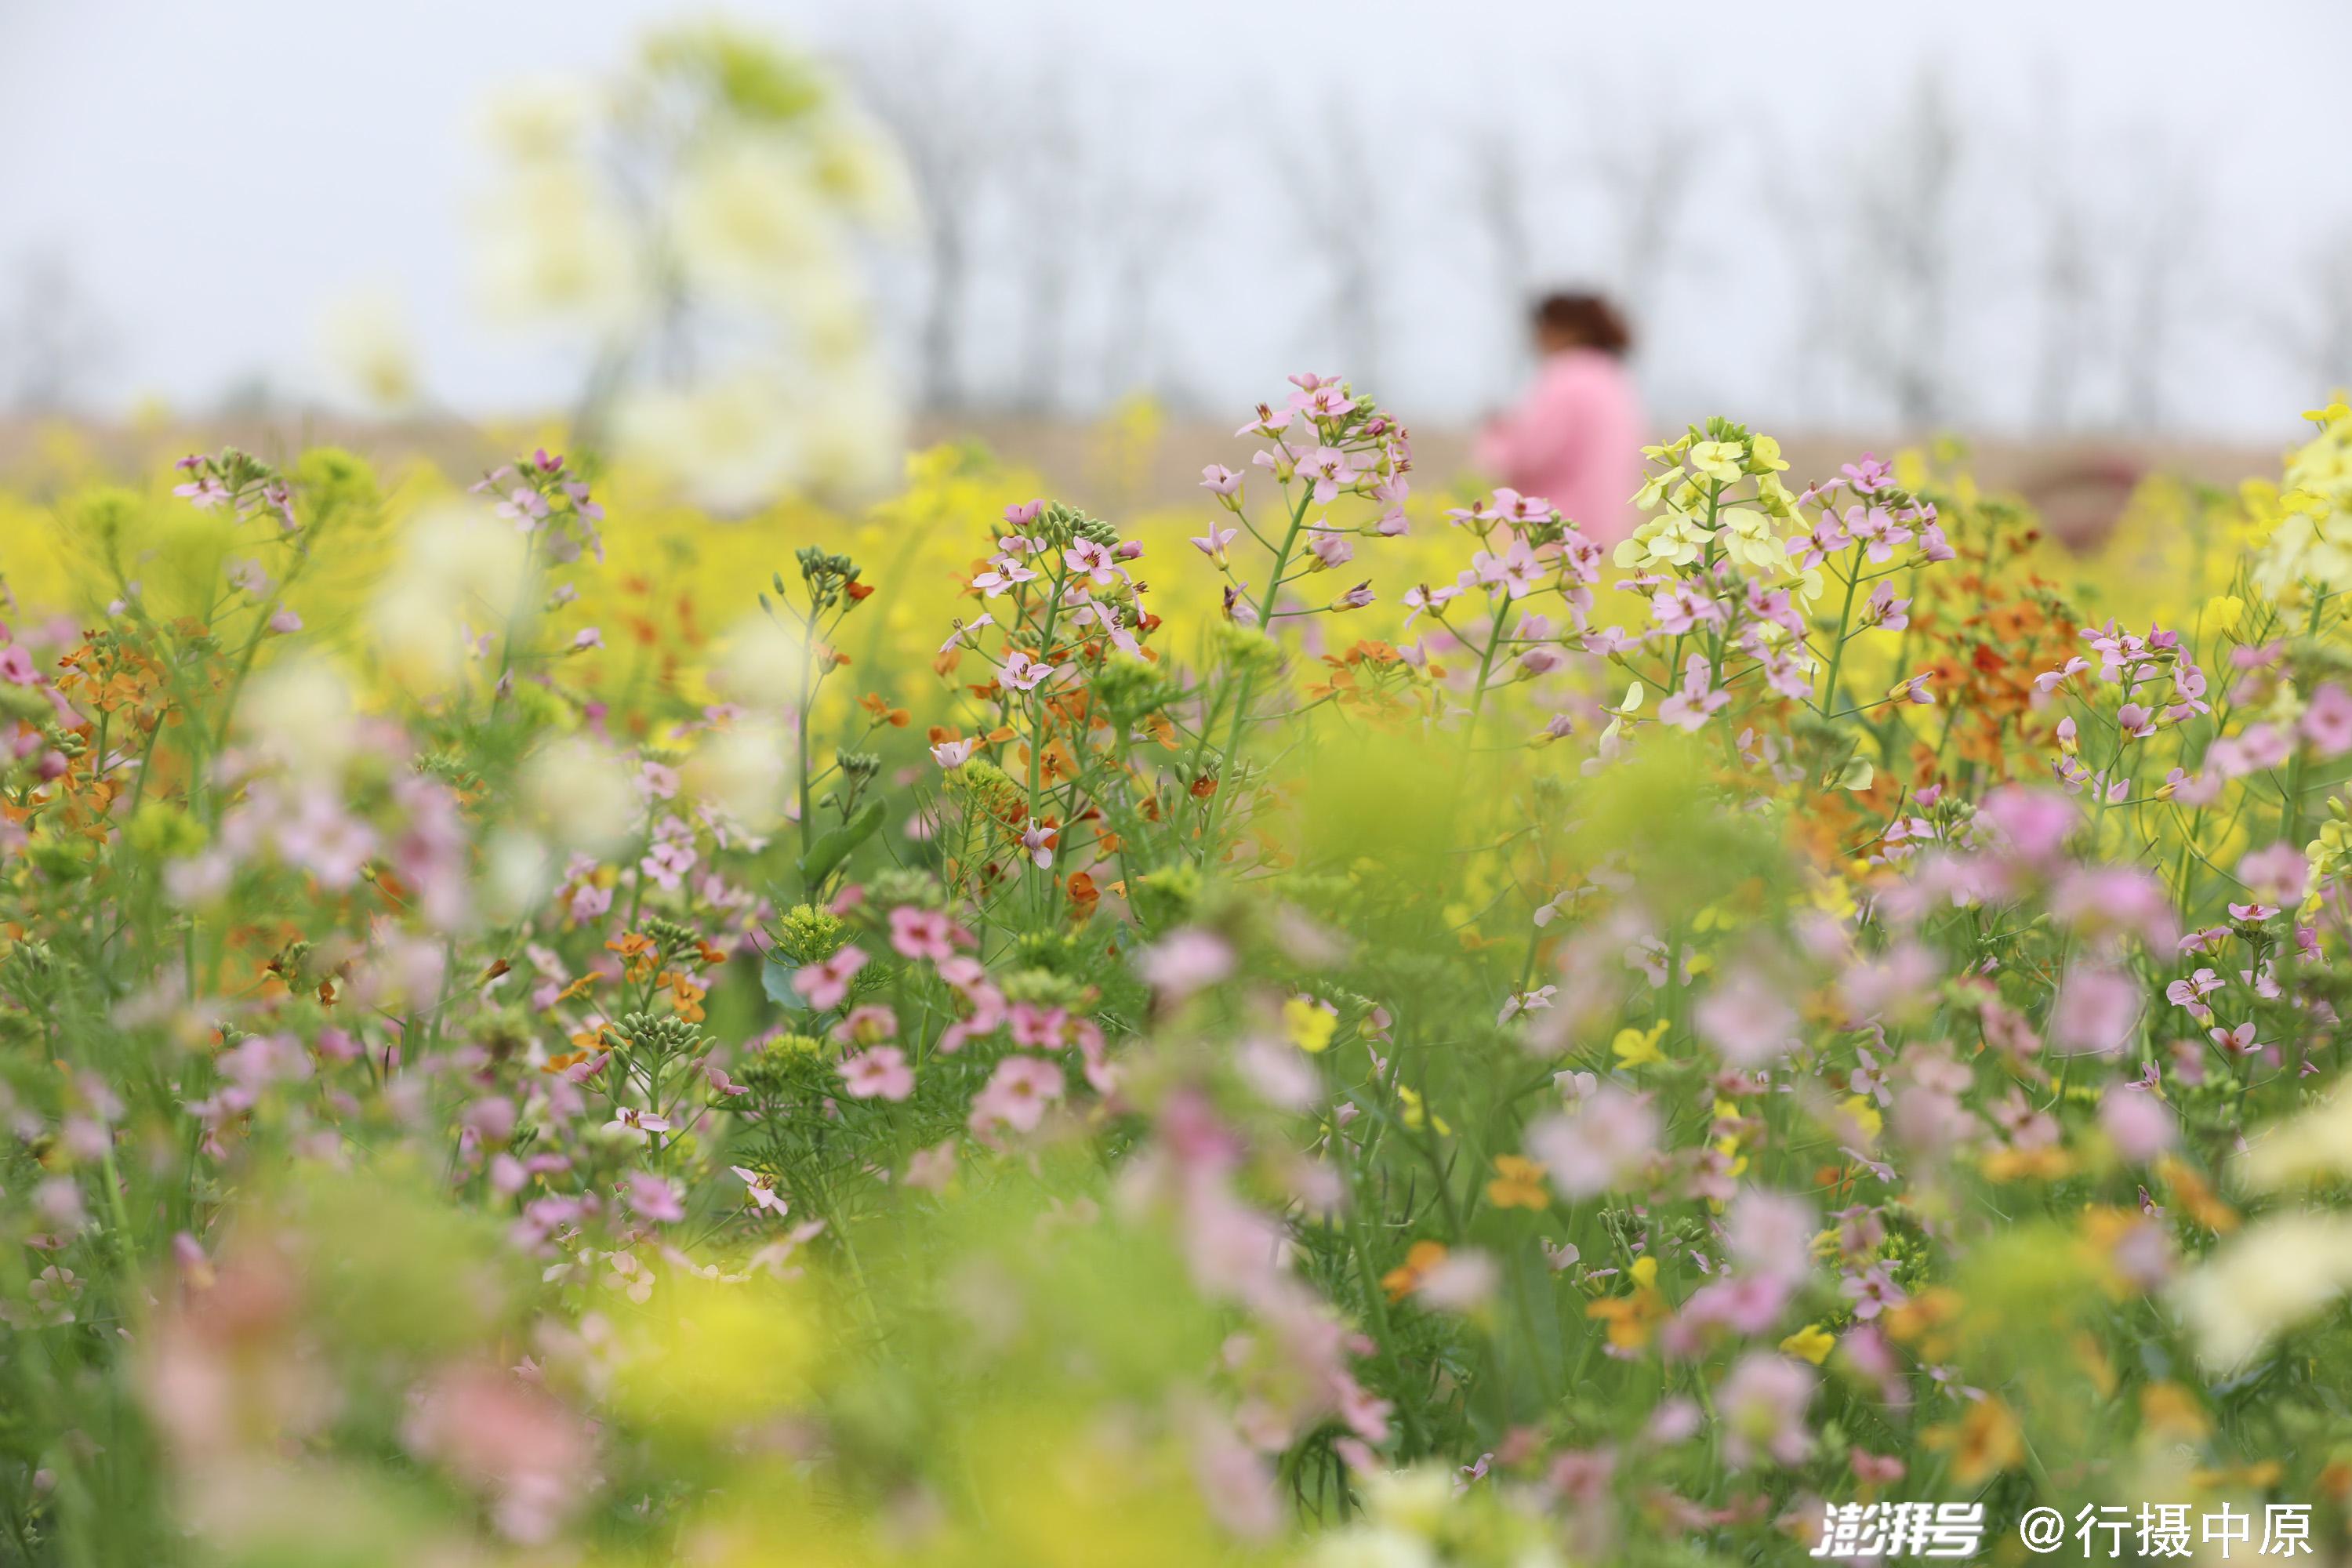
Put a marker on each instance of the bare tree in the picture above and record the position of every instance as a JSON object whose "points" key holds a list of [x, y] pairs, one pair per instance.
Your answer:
{"points": [[1146, 217], [2314, 334], [1498, 180], [920, 83], [1646, 180], [2064, 282], [2157, 253], [1332, 186], [50, 335], [1497, 187], [1901, 211], [1045, 179]]}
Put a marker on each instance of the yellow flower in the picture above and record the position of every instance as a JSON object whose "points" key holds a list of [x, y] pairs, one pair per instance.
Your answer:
{"points": [[1309, 1024], [1748, 539], [1517, 1184], [1637, 1048], [1864, 1114], [1719, 459], [1632, 1316], [2223, 612], [1990, 1443], [1812, 1342], [1414, 1114]]}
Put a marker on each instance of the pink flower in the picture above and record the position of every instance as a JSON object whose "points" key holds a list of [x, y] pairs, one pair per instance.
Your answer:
{"points": [[2035, 822], [2139, 1123], [1022, 671], [1424, 598], [2238, 1041], [1185, 961], [2094, 1012], [16, 666], [1040, 1028], [1772, 1234], [1871, 1292], [2327, 721], [2276, 875], [761, 1189], [867, 1024], [823, 985], [1875, 1469], [954, 753], [1761, 1408], [1746, 1019], [641, 1124], [918, 932], [1220, 481], [1516, 571], [2192, 992], [521, 1449], [655, 1198], [1037, 840], [1330, 548], [1330, 469], [1697, 701], [1016, 1095], [881, 1073], [1093, 562], [1213, 543], [931, 1170], [325, 841], [1603, 1144]]}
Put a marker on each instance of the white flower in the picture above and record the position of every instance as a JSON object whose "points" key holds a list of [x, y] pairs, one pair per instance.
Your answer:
{"points": [[731, 446], [581, 794], [2280, 1272]]}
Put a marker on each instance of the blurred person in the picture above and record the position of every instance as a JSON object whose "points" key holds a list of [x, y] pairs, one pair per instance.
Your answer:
{"points": [[1576, 436]]}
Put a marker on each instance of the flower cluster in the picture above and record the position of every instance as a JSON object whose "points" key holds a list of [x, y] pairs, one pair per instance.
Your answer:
{"points": [[1598, 1059]]}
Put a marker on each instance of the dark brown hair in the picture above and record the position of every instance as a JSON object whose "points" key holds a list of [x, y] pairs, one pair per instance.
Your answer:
{"points": [[1588, 319]]}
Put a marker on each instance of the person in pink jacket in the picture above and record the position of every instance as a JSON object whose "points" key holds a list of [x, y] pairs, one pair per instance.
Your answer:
{"points": [[1576, 436]]}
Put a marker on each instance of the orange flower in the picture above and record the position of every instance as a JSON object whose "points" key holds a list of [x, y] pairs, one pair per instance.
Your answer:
{"points": [[637, 949], [1403, 1280], [1518, 1184], [1989, 1443], [685, 997], [1634, 1316]]}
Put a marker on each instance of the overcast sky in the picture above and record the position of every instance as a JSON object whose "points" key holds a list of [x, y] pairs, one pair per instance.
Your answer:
{"points": [[213, 174]]}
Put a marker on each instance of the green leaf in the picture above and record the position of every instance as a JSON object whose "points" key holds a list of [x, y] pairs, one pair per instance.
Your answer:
{"points": [[825, 855], [776, 980]]}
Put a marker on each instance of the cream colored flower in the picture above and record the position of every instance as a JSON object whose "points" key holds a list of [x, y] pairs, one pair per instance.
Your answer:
{"points": [[462, 577], [1719, 459], [743, 771], [1750, 538], [2314, 1146], [750, 219], [552, 244], [364, 337], [301, 715], [2257, 1285], [580, 795], [731, 446]]}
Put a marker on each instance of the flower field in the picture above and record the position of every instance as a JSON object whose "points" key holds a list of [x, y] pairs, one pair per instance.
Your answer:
{"points": [[1335, 1026], [626, 1008]]}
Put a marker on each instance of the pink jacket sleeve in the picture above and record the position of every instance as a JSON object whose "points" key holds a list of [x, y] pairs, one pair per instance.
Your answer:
{"points": [[1545, 432]]}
